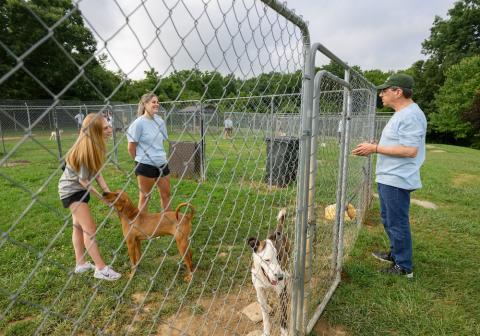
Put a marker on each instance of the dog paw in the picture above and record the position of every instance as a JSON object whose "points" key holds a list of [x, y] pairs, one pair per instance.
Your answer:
{"points": [[188, 277]]}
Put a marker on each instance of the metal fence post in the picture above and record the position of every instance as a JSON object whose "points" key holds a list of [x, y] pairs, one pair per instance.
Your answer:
{"points": [[372, 121], [341, 194], [202, 144], [57, 131], [298, 317], [28, 117], [272, 138], [3, 140], [114, 133]]}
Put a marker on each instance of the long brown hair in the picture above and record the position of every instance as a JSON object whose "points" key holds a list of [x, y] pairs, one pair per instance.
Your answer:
{"points": [[90, 148], [143, 100]]}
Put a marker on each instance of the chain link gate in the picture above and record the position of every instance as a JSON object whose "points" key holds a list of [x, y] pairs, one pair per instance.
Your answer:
{"points": [[235, 192]]}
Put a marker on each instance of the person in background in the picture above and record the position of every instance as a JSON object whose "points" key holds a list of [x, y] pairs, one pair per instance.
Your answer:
{"points": [[79, 118], [145, 137], [84, 163], [228, 128], [400, 154]]}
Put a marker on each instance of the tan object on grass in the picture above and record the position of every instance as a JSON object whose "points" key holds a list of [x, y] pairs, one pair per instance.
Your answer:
{"points": [[350, 213]]}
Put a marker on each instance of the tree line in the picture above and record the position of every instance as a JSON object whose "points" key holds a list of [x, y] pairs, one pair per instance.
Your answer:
{"points": [[68, 65]]}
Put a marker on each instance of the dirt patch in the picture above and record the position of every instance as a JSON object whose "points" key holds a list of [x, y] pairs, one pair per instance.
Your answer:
{"points": [[16, 163], [210, 316], [466, 179], [323, 328], [424, 204], [14, 323], [345, 277], [438, 151], [217, 316], [12, 138]]}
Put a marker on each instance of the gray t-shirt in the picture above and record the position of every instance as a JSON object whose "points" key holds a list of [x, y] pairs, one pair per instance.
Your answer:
{"points": [[69, 182]]}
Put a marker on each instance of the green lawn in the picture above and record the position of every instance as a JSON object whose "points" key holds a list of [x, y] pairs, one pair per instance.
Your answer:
{"points": [[37, 288], [233, 203], [444, 296]]}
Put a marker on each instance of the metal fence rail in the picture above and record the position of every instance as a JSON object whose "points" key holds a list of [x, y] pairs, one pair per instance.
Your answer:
{"points": [[237, 183]]}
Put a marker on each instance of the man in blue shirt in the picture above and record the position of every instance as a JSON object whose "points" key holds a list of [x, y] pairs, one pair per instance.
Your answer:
{"points": [[401, 152]]}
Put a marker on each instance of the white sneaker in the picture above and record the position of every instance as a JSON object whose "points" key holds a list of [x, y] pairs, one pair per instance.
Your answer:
{"points": [[84, 268], [107, 273]]}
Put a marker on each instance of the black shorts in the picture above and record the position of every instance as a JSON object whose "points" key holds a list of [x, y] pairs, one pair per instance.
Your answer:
{"points": [[77, 197], [146, 170]]}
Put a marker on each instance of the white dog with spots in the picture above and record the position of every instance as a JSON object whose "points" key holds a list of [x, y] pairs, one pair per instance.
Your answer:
{"points": [[269, 271]]}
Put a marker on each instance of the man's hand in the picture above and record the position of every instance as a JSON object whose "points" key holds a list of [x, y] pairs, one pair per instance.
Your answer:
{"points": [[364, 149]]}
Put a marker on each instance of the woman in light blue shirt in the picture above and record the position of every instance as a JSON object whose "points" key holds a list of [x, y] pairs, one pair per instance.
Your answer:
{"points": [[145, 145]]}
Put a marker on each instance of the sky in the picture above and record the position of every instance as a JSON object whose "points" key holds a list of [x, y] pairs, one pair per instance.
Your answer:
{"points": [[173, 35], [373, 34]]}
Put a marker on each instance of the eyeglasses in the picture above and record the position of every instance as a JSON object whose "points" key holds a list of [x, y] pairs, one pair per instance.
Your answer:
{"points": [[391, 88]]}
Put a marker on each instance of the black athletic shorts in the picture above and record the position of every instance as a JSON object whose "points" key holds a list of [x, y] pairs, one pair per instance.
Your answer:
{"points": [[77, 197], [151, 171]]}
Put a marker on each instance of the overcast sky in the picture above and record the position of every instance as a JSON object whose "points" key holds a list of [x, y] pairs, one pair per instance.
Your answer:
{"points": [[373, 34], [379, 34]]}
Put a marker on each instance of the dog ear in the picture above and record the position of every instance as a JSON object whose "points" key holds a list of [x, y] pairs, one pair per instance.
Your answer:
{"points": [[254, 243], [275, 236]]}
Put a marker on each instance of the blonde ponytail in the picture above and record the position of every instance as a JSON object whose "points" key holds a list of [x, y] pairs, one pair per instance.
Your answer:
{"points": [[143, 100]]}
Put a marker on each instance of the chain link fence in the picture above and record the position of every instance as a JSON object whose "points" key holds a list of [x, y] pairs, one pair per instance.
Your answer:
{"points": [[237, 182]]}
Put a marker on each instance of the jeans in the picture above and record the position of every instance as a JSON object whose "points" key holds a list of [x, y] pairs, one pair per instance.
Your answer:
{"points": [[395, 207]]}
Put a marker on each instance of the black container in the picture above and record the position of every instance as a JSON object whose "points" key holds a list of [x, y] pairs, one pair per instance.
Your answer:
{"points": [[282, 160]]}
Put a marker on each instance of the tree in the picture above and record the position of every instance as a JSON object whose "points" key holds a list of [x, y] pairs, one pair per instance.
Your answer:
{"points": [[450, 40], [456, 97], [376, 76], [473, 116], [428, 80], [456, 37], [57, 61]]}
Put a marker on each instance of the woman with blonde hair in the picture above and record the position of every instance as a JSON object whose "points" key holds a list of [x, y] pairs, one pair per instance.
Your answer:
{"points": [[84, 162], [145, 145]]}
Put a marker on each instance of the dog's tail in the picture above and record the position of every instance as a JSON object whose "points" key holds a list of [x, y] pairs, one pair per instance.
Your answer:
{"points": [[185, 204], [282, 214]]}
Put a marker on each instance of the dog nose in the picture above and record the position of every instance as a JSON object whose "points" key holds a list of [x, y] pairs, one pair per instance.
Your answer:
{"points": [[280, 276]]}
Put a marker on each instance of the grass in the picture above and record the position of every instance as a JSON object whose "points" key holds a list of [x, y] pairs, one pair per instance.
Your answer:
{"points": [[444, 296], [233, 204], [36, 258]]}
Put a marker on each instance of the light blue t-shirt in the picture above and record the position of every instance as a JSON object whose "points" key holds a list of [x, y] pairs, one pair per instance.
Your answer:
{"points": [[149, 135], [406, 127]]}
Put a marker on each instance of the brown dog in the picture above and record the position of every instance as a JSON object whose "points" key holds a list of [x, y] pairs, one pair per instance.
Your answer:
{"points": [[138, 226]]}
